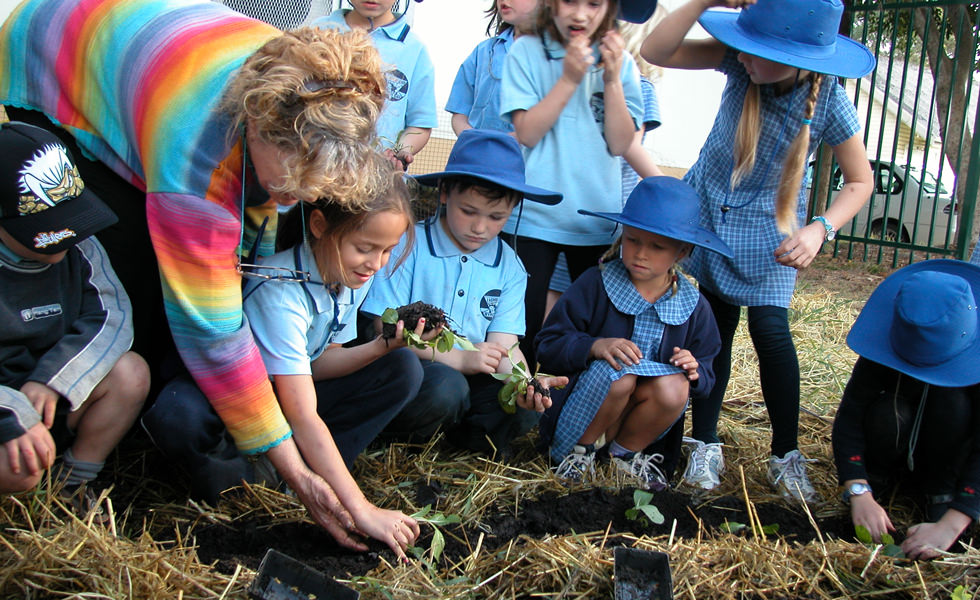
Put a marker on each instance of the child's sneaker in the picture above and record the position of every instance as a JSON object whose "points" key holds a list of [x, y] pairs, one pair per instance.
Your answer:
{"points": [[82, 500], [578, 464], [704, 465], [788, 476], [643, 467]]}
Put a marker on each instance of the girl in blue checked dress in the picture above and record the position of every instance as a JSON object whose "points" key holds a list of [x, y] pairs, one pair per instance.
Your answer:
{"points": [[574, 98], [636, 339], [782, 99]]}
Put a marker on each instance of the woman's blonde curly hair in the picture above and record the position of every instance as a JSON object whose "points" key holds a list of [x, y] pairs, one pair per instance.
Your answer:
{"points": [[316, 96]]}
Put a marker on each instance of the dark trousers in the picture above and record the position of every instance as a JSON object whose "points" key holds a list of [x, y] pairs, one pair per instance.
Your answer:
{"points": [[779, 373], [539, 260], [354, 407]]}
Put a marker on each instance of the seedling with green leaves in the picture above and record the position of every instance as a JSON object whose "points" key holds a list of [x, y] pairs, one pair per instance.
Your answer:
{"points": [[736, 527], [643, 511], [438, 544], [888, 545], [434, 317], [516, 382]]}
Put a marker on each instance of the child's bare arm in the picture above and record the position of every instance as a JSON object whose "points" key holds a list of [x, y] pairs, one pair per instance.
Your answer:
{"points": [[460, 123], [640, 160], [618, 126], [666, 46]]}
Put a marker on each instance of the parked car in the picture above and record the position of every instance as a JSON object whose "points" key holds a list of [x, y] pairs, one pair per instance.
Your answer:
{"points": [[915, 204]]}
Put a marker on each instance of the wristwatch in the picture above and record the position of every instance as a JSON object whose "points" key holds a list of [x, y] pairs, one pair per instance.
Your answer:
{"points": [[830, 232], [855, 489]]}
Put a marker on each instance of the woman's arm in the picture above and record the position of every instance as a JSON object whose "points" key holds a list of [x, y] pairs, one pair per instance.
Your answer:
{"points": [[666, 46], [297, 396]]}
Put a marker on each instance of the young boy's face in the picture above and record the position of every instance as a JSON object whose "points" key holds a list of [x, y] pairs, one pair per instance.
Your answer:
{"points": [[471, 218], [378, 11], [24, 252]]}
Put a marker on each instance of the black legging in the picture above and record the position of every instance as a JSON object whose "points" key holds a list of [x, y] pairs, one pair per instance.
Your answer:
{"points": [[779, 373], [539, 260]]}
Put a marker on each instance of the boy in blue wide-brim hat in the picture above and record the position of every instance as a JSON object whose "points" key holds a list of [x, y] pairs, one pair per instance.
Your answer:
{"points": [[910, 414], [636, 339], [460, 265]]}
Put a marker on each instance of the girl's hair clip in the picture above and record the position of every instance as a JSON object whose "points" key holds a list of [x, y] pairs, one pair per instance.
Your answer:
{"points": [[807, 121], [315, 85]]}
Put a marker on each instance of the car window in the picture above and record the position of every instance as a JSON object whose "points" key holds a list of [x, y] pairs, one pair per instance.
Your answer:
{"points": [[888, 180]]}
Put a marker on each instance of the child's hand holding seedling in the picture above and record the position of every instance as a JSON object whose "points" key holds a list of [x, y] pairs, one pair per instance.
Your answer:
{"points": [[435, 332], [683, 359], [867, 513], [485, 359], [524, 390]]}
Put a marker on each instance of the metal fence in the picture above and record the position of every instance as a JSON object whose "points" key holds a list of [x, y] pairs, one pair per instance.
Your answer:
{"points": [[918, 108]]}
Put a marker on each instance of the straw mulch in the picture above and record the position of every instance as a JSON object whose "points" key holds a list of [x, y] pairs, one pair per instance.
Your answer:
{"points": [[149, 550]]}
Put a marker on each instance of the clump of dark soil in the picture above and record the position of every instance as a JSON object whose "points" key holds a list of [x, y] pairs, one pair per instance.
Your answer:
{"points": [[581, 512], [410, 315]]}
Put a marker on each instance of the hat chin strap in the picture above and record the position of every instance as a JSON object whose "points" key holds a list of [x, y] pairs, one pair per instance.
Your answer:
{"points": [[916, 425]]}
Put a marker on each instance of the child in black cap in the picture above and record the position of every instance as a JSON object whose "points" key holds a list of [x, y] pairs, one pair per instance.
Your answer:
{"points": [[67, 379]]}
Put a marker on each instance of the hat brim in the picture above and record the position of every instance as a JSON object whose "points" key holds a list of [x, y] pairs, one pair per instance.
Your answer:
{"points": [[699, 236], [869, 336], [529, 191], [637, 11], [85, 216], [850, 59]]}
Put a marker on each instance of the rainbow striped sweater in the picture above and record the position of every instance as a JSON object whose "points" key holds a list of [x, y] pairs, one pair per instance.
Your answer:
{"points": [[138, 82]]}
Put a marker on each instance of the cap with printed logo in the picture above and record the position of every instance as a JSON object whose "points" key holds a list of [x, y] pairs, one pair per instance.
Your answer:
{"points": [[43, 201]]}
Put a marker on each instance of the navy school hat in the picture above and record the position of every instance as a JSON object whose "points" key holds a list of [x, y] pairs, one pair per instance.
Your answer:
{"points": [[636, 11], [44, 204], [669, 207], [493, 156], [923, 321], [798, 33]]}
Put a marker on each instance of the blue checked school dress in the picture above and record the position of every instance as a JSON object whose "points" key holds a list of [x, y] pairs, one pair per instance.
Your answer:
{"points": [[648, 330]]}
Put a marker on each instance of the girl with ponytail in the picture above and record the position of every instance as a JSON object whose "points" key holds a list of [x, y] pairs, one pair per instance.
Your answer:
{"points": [[782, 99]]}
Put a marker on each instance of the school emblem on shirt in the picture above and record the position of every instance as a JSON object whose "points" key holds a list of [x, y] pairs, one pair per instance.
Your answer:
{"points": [[488, 304], [397, 85], [598, 106], [48, 178]]}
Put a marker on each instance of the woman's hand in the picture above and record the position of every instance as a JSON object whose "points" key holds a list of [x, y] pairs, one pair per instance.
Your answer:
{"points": [[611, 48], [799, 249], [685, 360], [44, 399], [534, 400], [615, 351], [866, 512], [392, 527], [578, 59]]}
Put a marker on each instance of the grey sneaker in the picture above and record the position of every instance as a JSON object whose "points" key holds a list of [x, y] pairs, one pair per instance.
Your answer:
{"points": [[788, 476], [704, 465], [578, 464], [644, 467]]}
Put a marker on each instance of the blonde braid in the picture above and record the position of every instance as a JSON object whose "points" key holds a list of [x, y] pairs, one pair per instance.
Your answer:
{"points": [[787, 196], [746, 135], [612, 253]]}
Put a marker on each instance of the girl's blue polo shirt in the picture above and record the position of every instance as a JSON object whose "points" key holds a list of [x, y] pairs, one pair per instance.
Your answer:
{"points": [[411, 77], [481, 292], [753, 277], [572, 157], [293, 322], [476, 89]]}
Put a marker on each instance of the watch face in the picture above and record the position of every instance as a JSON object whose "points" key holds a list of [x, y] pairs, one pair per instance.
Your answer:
{"points": [[831, 235]]}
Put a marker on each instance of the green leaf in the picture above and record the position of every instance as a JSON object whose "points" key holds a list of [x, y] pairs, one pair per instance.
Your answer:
{"points": [[389, 316], [421, 514], [886, 538], [770, 529], [862, 534], [438, 544], [500, 376], [960, 593], [632, 513], [464, 343], [732, 526], [444, 343], [653, 513], [641, 498], [893, 551]]}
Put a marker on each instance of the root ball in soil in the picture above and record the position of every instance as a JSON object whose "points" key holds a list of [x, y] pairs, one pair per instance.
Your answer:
{"points": [[410, 315]]}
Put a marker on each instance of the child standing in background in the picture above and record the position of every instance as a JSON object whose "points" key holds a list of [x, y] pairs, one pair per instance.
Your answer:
{"points": [[302, 307], [410, 111], [474, 100], [637, 338], [776, 108], [574, 98]]}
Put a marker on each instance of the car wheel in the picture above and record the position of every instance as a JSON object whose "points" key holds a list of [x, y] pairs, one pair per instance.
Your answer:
{"points": [[891, 232]]}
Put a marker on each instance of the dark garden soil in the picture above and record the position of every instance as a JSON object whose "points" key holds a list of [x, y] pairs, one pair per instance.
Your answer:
{"points": [[579, 512]]}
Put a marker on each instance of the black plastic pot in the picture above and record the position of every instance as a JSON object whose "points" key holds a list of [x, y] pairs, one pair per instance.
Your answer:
{"points": [[281, 577], [642, 575]]}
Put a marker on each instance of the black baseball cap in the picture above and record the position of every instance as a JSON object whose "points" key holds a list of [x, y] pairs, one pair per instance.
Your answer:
{"points": [[43, 201]]}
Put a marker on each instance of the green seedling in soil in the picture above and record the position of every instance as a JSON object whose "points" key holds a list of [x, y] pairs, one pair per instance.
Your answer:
{"points": [[736, 527], [438, 543], [434, 317], [643, 511], [516, 382], [888, 545], [960, 593]]}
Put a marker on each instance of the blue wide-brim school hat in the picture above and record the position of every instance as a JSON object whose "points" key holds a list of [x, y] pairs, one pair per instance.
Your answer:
{"points": [[493, 156], [669, 207], [923, 321], [799, 33], [636, 11]]}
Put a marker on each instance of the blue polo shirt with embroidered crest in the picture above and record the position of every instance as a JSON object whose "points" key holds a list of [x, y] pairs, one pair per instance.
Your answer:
{"points": [[476, 89], [411, 77], [293, 323], [481, 291]]}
